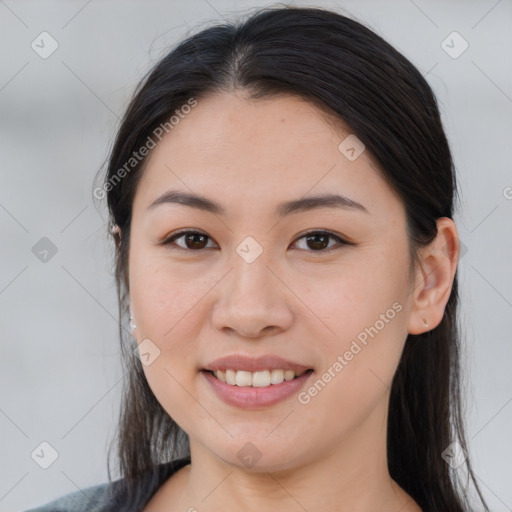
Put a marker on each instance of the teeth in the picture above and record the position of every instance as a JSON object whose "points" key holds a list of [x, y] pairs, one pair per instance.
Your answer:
{"points": [[243, 379], [230, 377], [276, 376], [289, 375], [259, 379]]}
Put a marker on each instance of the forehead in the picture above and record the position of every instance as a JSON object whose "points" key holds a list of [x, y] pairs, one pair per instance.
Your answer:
{"points": [[258, 152]]}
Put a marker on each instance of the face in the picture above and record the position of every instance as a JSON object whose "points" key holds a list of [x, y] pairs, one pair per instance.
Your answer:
{"points": [[326, 288]]}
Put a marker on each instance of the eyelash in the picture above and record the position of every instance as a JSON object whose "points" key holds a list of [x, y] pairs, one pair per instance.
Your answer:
{"points": [[169, 241]]}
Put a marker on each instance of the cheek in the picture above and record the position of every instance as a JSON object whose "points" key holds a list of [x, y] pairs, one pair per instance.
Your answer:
{"points": [[166, 299], [170, 311], [356, 295], [367, 329], [358, 361], [364, 311]]}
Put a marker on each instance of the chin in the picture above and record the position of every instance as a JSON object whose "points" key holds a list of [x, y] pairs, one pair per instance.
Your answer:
{"points": [[259, 456]]}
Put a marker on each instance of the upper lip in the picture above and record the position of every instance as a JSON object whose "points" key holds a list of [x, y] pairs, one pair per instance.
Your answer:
{"points": [[254, 364]]}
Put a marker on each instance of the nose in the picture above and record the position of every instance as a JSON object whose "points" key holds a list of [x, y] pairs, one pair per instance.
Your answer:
{"points": [[252, 300]]}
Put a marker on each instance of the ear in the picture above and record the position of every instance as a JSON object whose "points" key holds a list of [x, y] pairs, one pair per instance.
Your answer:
{"points": [[434, 278], [115, 230]]}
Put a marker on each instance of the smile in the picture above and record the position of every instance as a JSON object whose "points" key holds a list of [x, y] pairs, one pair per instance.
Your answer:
{"points": [[247, 395], [258, 379]]}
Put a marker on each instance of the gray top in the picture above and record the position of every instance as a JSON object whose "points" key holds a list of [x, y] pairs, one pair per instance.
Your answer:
{"points": [[105, 498]]}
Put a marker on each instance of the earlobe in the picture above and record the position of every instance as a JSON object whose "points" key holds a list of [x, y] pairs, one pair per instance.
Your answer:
{"points": [[115, 230], [434, 278], [133, 326]]}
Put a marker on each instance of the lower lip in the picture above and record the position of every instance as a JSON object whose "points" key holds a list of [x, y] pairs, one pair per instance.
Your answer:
{"points": [[246, 397]]}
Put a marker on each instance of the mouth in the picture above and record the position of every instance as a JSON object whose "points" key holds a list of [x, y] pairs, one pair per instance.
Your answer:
{"points": [[248, 382], [258, 379]]}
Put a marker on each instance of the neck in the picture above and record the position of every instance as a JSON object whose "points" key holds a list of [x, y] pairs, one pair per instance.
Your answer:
{"points": [[350, 477]]}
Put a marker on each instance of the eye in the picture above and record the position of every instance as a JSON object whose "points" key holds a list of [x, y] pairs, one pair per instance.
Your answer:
{"points": [[192, 240], [318, 241]]}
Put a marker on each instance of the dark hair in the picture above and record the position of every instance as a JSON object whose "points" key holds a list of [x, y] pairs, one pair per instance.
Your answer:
{"points": [[354, 75]]}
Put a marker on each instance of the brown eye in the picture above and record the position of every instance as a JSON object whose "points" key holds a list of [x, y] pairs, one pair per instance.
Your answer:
{"points": [[192, 240], [195, 241], [318, 241]]}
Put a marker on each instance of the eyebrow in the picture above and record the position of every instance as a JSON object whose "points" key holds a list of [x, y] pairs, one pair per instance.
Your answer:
{"points": [[304, 204]]}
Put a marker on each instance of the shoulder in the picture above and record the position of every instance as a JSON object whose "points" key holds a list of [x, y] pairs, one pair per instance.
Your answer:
{"points": [[91, 499], [109, 497]]}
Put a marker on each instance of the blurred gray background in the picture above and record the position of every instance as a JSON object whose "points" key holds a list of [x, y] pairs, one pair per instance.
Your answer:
{"points": [[60, 372]]}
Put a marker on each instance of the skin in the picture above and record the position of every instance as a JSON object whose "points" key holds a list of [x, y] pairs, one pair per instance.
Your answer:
{"points": [[301, 304]]}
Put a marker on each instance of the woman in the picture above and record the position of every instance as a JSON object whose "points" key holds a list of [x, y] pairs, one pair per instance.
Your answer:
{"points": [[281, 195]]}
